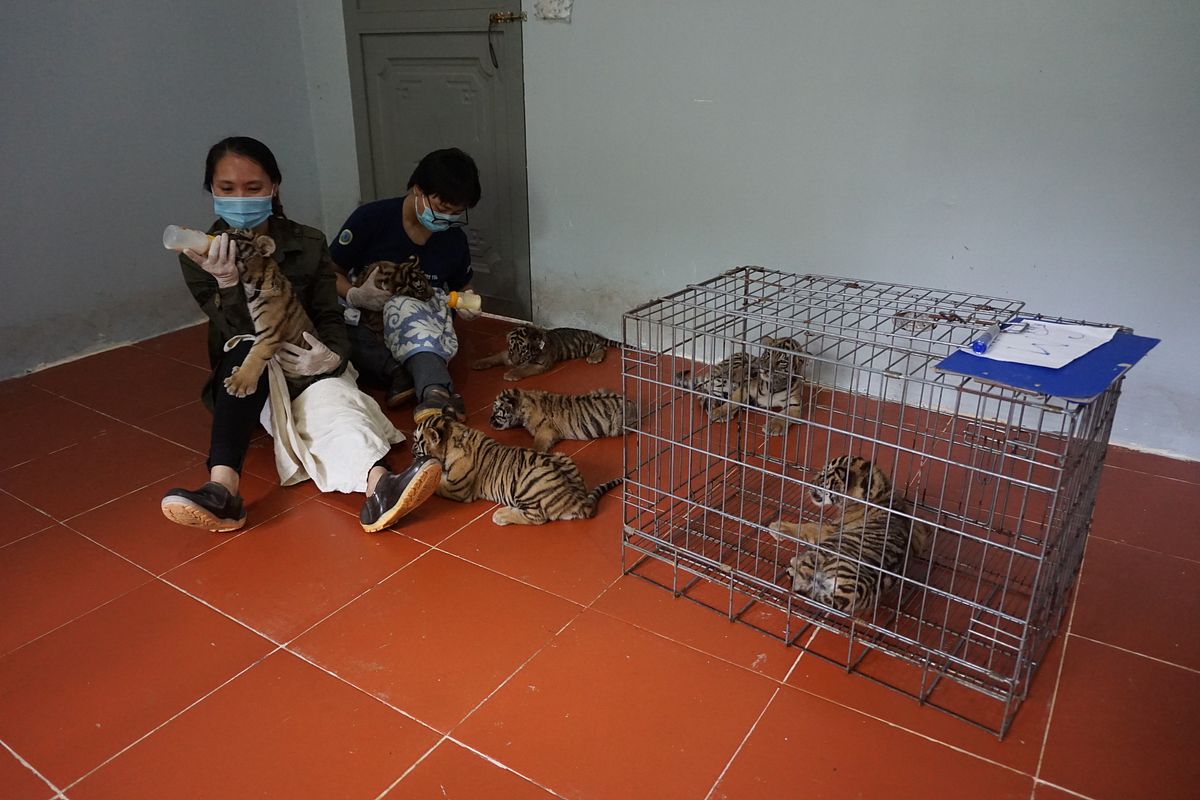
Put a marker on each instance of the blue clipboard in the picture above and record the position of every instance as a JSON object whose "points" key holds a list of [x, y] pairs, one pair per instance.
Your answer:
{"points": [[1082, 380]]}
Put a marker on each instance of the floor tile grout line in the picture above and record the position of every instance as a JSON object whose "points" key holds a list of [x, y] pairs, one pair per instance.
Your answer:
{"points": [[171, 719], [1062, 662], [287, 645], [361, 690], [1039, 782], [918, 734], [754, 725], [548, 643], [1102, 537], [30, 767], [133, 425], [1162, 661], [502, 765], [1155, 474], [737, 750]]}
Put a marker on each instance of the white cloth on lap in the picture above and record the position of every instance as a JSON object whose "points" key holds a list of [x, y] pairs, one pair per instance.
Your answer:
{"points": [[332, 432]]}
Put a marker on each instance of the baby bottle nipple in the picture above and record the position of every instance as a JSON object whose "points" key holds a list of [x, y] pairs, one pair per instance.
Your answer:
{"points": [[468, 300]]}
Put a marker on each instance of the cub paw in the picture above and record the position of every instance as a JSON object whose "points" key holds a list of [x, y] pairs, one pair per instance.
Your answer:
{"points": [[512, 376], [500, 517], [238, 386], [481, 364], [775, 427]]}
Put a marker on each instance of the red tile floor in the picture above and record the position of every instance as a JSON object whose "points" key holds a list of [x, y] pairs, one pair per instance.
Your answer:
{"points": [[450, 658]]}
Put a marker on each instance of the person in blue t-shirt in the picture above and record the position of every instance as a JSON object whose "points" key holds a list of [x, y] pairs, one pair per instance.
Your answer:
{"points": [[419, 337]]}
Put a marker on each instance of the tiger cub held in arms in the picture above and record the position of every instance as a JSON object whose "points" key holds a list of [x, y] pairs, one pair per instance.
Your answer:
{"points": [[873, 542], [532, 350], [406, 278], [533, 487], [276, 311], [550, 417]]}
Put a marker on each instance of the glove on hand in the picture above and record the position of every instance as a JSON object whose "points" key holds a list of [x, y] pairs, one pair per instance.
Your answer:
{"points": [[299, 362], [467, 314], [368, 296], [220, 261]]}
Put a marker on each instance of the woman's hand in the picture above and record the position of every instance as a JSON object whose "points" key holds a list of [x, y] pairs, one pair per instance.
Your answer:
{"points": [[220, 262], [300, 362]]}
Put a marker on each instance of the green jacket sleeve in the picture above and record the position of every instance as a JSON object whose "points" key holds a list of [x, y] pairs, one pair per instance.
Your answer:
{"points": [[327, 314]]}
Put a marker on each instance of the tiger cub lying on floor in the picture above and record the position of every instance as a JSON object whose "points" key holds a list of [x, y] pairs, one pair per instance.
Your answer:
{"points": [[277, 312], [407, 279], [532, 350], [551, 417], [772, 380], [533, 487], [873, 542]]}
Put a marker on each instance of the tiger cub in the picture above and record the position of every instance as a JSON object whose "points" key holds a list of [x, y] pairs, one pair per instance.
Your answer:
{"points": [[407, 279], [873, 543], [532, 350], [277, 312], [551, 417], [533, 487], [771, 381]]}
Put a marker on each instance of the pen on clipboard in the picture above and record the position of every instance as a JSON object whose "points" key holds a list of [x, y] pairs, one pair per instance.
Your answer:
{"points": [[983, 341]]}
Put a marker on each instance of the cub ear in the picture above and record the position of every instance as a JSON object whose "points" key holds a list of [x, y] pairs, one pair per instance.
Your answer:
{"points": [[264, 244]]}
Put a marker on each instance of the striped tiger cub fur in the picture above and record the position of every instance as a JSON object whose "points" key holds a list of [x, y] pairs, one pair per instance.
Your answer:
{"points": [[772, 380], [533, 488], [407, 279], [532, 350], [550, 417], [277, 312], [865, 547]]}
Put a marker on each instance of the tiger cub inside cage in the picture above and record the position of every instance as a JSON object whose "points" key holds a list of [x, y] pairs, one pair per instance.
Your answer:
{"points": [[772, 381], [859, 553]]}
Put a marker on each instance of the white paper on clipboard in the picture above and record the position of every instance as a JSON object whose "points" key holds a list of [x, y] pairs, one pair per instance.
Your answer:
{"points": [[1046, 344]]}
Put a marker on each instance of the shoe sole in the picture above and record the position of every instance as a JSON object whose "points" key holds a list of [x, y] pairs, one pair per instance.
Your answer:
{"points": [[397, 400], [422, 487], [192, 515]]}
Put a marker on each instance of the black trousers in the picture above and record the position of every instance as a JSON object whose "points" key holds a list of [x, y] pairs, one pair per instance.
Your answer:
{"points": [[377, 367], [234, 418]]}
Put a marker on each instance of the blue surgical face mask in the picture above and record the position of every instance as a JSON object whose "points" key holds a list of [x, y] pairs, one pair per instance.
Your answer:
{"points": [[434, 221], [243, 212]]}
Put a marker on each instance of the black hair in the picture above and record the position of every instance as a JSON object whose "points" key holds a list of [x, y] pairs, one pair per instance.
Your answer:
{"points": [[249, 148], [450, 174]]}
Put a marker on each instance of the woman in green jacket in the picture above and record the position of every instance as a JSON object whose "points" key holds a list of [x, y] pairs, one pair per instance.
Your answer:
{"points": [[244, 179]]}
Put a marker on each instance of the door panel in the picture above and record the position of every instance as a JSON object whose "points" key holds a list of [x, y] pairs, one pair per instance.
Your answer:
{"points": [[423, 89]]}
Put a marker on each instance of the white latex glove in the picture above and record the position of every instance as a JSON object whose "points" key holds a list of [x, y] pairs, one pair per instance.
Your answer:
{"points": [[220, 261], [368, 296], [316, 360], [465, 313]]}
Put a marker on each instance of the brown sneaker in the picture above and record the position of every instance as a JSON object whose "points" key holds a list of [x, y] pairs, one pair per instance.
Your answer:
{"points": [[396, 494], [438, 400], [211, 507]]}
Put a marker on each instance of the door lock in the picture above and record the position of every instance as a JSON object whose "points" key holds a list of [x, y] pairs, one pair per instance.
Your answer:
{"points": [[494, 19]]}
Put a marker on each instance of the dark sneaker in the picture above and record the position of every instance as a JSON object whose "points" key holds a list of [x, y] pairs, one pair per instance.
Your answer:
{"points": [[438, 400], [400, 391], [211, 507], [396, 494]]}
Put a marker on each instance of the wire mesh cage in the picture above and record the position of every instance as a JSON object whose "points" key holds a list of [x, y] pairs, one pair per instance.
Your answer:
{"points": [[952, 558]]}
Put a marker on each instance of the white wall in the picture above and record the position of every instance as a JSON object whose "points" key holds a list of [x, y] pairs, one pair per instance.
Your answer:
{"points": [[108, 111], [1047, 151]]}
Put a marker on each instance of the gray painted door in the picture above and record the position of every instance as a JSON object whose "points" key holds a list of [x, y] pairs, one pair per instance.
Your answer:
{"points": [[423, 78]]}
